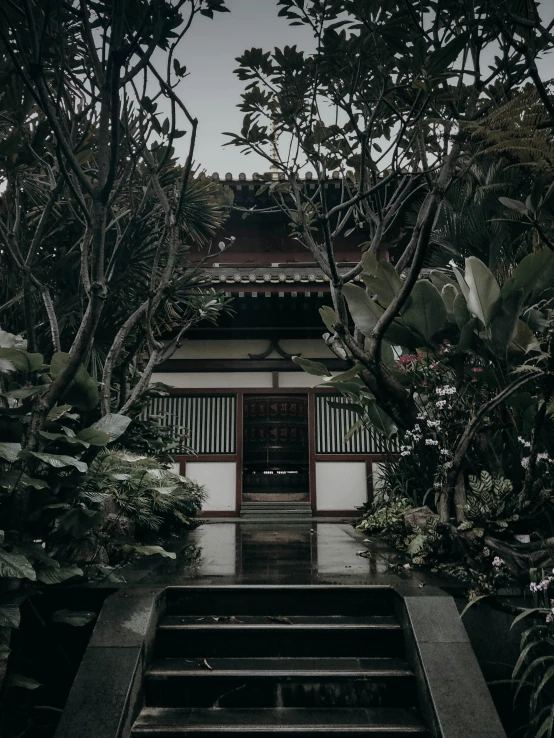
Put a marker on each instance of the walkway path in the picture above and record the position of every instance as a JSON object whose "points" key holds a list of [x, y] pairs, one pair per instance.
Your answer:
{"points": [[311, 552]]}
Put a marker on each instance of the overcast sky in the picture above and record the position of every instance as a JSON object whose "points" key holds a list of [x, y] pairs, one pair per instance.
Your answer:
{"points": [[212, 91]]}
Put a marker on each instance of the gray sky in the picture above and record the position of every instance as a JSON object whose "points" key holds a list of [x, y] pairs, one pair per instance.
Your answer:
{"points": [[212, 90]]}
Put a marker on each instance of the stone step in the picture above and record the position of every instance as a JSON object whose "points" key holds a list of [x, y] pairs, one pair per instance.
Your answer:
{"points": [[276, 503], [291, 682], [306, 722], [273, 619], [273, 599], [276, 515], [379, 636]]}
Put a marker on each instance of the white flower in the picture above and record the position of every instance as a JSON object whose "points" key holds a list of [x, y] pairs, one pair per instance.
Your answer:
{"points": [[497, 562], [434, 423], [525, 462], [441, 404], [431, 442], [444, 452], [420, 416], [447, 465], [405, 453], [543, 457], [523, 442]]}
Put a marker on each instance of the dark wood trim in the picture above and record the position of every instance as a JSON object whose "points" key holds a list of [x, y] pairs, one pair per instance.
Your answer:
{"points": [[350, 457], [260, 288], [177, 391], [311, 449], [182, 465], [369, 479], [218, 514], [337, 513], [239, 445], [216, 458], [242, 365]]}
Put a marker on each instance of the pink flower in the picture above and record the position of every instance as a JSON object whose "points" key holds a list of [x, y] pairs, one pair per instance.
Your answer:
{"points": [[476, 369], [405, 360]]}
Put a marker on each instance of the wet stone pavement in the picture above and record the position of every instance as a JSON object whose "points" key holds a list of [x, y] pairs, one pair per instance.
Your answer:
{"points": [[310, 552]]}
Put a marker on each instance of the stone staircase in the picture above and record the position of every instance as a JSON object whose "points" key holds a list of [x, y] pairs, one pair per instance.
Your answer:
{"points": [[275, 661], [281, 512]]}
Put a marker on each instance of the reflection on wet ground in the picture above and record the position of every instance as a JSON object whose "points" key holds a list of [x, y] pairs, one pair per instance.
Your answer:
{"points": [[299, 553]]}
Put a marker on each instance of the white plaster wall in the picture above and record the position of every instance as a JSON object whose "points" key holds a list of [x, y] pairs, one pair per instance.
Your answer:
{"points": [[298, 379], [301, 379], [220, 480], [176, 467], [214, 380], [340, 485]]}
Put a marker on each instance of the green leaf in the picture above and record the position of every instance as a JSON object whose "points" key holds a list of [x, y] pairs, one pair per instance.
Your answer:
{"points": [[344, 376], [60, 411], [365, 312], [464, 287], [22, 681], [531, 270], [64, 438], [356, 427], [449, 293], [22, 360], [13, 478], [113, 424], [484, 291], [380, 420], [10, 616], [461, 313], [471, 603], [149, 551], [523, 338], [504, 323], [93, 437], [544, 681], [76, 618], [55, 575], [9, 451], [58, 461], [312, 367], [35, 553], [78, 520], [441, 280], [370, 262], [82, 392], [24, 392], [416, 545], [16, 566], [385, 283], [508, 202], [426, 313], [329, 317]]}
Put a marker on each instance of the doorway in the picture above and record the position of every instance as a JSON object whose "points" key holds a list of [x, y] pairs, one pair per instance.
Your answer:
{"points": [[275, 448]]}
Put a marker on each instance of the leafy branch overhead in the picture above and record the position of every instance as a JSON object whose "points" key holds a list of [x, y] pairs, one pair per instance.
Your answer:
{"points": [[411, 137]]}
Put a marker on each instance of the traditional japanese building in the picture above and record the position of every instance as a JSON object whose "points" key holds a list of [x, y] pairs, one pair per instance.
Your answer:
{"points": [[264, 430]]}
